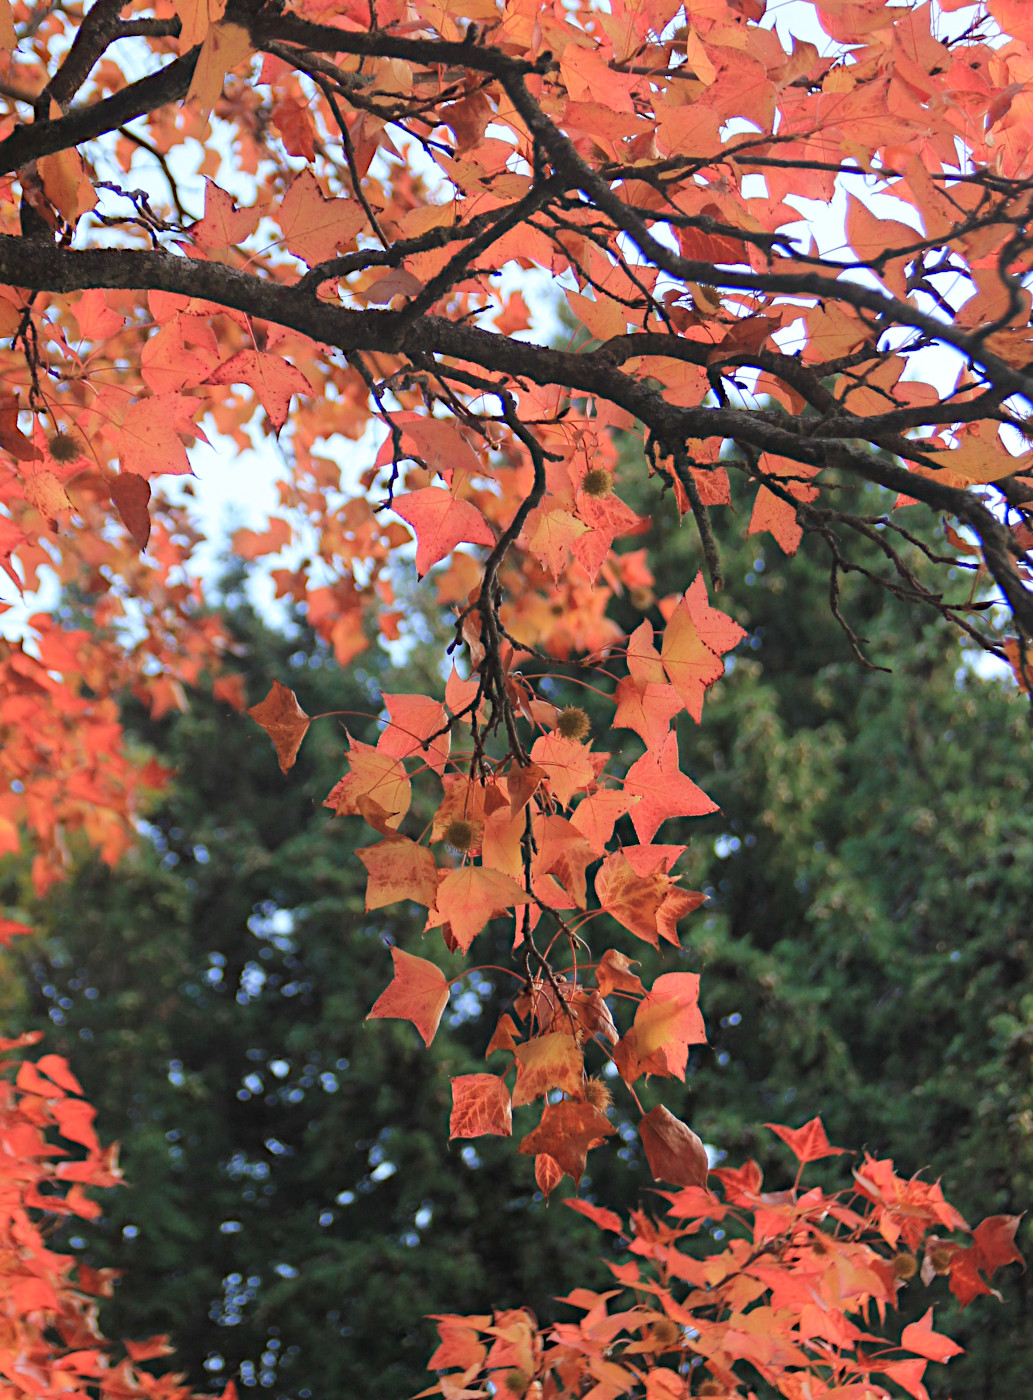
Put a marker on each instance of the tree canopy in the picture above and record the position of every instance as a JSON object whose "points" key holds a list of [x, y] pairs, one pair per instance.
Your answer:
{"points": [[795, 249]]}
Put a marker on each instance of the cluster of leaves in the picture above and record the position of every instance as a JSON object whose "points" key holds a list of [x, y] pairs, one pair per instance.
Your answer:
{"points": [[395, 167], [509, 845], [51, 1342], [777, 1303]]}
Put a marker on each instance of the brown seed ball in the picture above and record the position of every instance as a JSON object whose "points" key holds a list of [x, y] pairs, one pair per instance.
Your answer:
{"points": [[597, 483], [940, 1258], [665, 1335], [711, 1387], [905, 1266], [573, 723], [459, 835], [64, 448], [598, 1095], [516, 1382]]}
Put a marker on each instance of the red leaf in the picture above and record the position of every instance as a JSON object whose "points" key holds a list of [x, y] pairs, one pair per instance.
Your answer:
{"points": [[808, 1143], [994, 1240], [273, 379], [130, 495], [605, 1219], [567, 1132], [441, 522], [480, 1105], [673, 1151], [664, 791], [934, 1346]]}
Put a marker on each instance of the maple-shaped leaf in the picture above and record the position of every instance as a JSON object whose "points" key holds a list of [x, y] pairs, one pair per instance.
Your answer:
{"points": [[149, 440], [283, 719], [567, 764], [934, 1346], [550, 1061], [994, 1239], [716, 629], [274, 381], [771, 511], [414, 720], [669, 1019], [633, 900], [223, 225], [376, 787], [647, 711], [418, 993], [552, 537], [441, 522], [468, 898], [399, 869], [809, 1143], [567, 1132], [480, 1105], [664, 791], [596, 815], [674, 1153], [314, 227], [688, 661]]}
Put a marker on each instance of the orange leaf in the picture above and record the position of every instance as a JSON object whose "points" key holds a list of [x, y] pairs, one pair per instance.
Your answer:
{"points": [[148, 441], [376, 776], [567, 1132], [550, 1061], [480, 1105], [468, 898], [664, 791], [418, 993], [225, 46], [399, 869], [441, 522], [314, 227], [283, 719]]}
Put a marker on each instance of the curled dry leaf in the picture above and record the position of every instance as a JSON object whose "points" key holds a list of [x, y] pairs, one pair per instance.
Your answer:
{"points": [[674, 1153], [283, 719]]}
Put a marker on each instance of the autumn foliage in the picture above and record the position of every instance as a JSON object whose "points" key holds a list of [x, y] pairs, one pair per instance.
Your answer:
{"points": [[301, 227]]}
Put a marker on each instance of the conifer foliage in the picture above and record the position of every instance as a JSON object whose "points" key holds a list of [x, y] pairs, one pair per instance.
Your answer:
{"points": [[377, 177]]}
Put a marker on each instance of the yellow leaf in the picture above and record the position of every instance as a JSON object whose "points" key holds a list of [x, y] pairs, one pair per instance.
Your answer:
{"points": [[225, 46]]}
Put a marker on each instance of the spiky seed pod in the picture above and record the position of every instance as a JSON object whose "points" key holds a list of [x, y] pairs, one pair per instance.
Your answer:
{"points": [[64, 448], [940, 1258], [459, 835], [665, 1335], [597, 483], [573, 723], [516, 1382], [598, 1094], [905, 1266]]}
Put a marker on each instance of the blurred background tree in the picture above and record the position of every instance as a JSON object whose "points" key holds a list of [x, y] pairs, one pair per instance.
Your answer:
{"points": [[293, 1207]]}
